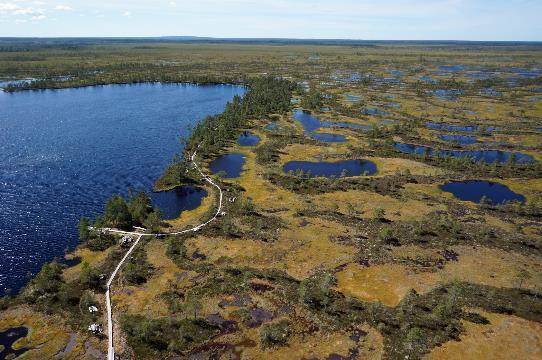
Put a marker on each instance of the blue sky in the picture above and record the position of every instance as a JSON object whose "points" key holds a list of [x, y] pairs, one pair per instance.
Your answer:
{"points": [[345, 19]]}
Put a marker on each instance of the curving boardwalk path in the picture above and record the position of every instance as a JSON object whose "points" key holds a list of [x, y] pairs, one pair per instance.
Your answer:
{"points": [[111, 350]]}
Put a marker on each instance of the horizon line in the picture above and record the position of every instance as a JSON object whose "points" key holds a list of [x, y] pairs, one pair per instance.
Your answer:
{"points": [[196, 38]]}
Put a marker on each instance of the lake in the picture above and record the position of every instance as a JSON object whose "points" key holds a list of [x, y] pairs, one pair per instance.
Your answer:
{"points": [[64, 152]]}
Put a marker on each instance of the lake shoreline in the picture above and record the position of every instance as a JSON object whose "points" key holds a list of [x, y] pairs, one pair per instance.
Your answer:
{"points": [[59, 85]]}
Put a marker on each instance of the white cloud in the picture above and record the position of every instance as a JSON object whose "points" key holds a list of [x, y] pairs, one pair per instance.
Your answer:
{"points": [[172, 4], [63, 8], [24, 11], [21, 12], [127, 13], [5, 7]]}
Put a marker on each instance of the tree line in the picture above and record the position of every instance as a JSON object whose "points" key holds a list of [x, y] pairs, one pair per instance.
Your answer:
{"points": [[265, 95]]}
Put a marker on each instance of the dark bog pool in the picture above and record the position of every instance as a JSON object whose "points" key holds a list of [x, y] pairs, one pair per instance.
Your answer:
{"points": [[375, 111], [460, 128], [331, 169], [459, 139], [248, 139], [475, 190], [272, 126], [330, 138], [346, 76], [8, 338], [487, 156], [351, 98], [447, 94], [64, 152], [453, 68], [311, 124], [174, 202], [228, 165]]}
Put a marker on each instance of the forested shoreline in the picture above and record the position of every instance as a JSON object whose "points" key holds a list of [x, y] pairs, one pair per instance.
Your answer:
{"points": [[265, 96]]}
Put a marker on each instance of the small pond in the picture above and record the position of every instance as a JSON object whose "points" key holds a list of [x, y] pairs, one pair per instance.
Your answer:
{"points": [[489, 92], [487, 156], [426, 78], [446, 94], [231, 165], [453, 68], [329, 138], [351, 98], [272, 126], [475, 190], [8, 338], [393, 105], [396, 72], [374, 111], [311, 124], [173, 202], [459, 139], [384, 122], [332, 169], [346, 76], [248, 139], [460, 128]]}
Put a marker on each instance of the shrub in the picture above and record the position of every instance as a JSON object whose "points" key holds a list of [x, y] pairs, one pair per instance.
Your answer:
{"points": [[89, 277], [315, 292], [138, 269], [158, 335], [275, 334], [176, 249], [101, 242]]}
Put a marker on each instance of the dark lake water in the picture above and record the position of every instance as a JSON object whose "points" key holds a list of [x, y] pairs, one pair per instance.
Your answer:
{"points": [[64, 152], [248, 139], [231, 165], [8, 338], [329, 169], [475, 190], [487, 156]]}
